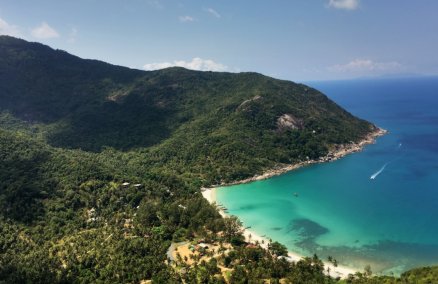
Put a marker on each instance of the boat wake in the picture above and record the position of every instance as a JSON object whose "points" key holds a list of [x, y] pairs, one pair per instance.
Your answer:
{"points": [[373, 176]]}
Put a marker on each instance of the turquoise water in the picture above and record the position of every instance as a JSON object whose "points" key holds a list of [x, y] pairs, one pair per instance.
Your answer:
{"points": [[389, 222]]}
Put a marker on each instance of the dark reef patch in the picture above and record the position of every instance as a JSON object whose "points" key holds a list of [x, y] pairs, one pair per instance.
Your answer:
{"points": [[276, 228], [384, 257], [306, 228]]}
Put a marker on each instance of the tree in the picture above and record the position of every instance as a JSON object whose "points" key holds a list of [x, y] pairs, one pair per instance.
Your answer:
{"points": [[239, 275], [368, 271], [277, 249], [232, 228]]}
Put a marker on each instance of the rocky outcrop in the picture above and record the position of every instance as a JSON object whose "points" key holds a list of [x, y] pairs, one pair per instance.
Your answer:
{"points": [[244, 105], [333, 155], [289, 122]]}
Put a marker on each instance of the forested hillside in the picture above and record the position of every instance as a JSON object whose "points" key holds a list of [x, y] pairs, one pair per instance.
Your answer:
{"points": [[101, 165]]}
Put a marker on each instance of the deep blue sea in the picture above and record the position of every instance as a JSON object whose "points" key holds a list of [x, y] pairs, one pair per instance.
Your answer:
{"points": [[389, 222]]}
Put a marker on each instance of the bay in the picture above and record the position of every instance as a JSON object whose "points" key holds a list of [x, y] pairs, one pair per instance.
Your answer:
{"points": [[378, 207]]}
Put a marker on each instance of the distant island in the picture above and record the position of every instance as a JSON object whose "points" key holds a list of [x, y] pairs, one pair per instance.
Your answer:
{"points": [[102, 165]]}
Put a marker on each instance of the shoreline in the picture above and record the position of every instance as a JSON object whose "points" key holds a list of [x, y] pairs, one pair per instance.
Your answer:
{"points": [[251, 237], [340, 151], [333, 155]]}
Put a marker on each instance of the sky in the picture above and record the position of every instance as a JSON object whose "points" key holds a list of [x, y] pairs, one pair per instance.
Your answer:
{"points": [[298, 40]]}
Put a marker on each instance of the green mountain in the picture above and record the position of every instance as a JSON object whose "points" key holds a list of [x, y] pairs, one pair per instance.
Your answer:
{"points": [[237, 123], [72, 131]]}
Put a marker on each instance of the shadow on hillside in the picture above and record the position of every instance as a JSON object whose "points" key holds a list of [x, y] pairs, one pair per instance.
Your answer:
{"points": [[123, 126], [21, 189]]}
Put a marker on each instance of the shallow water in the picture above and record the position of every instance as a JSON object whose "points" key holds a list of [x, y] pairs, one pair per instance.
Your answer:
{"points": [[376, 207]]}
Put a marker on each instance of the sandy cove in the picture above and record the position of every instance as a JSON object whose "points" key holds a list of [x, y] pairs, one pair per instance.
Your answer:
{"points": [[251, 237], [340, 271]]}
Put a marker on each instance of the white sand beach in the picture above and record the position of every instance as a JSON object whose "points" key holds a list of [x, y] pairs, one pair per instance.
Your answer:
{"points": [[340, 271], [334, 154]]}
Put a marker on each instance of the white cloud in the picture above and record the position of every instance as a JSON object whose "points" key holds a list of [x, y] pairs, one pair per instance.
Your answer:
{"points": [[196, 64], [44, 31], [156, 4], [72, 35], [186, 19], [344, 4], [7, 29], [213, 12], [367, 66]]}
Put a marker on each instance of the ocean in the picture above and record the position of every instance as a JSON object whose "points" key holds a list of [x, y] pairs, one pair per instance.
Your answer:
{"points": [[378, 207]]}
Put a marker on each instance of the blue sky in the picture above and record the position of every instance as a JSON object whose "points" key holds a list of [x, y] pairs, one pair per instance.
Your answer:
{"points": [[298, 40]]}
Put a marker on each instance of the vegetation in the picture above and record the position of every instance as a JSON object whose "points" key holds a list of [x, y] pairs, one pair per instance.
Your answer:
{"points": [[101, 167]]}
